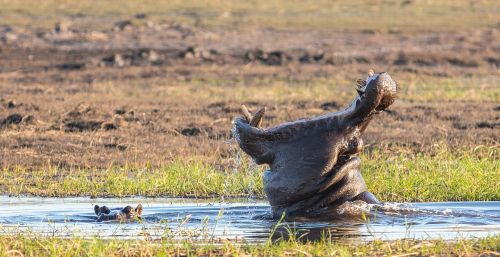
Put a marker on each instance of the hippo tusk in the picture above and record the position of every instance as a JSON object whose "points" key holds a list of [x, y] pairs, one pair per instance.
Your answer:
{"points": [[253, 120], [256, 121], [246, 113]]}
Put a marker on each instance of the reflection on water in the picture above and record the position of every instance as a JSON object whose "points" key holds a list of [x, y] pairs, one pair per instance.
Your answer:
{"points": [[246, 220]]}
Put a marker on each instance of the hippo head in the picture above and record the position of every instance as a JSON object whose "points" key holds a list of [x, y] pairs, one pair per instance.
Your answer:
{"points": [[313, 163], [101, 210], [129, 213], [123, 215]]}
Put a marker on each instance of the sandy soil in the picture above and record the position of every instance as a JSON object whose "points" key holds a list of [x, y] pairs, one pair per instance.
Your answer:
{"points": [[89, 98]]}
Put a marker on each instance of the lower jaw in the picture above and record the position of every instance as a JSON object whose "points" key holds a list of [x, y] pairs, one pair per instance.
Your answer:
{"points": [[315, 206]]}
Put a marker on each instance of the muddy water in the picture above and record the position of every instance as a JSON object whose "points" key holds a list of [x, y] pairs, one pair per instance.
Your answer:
{"points": [[244, 220]]}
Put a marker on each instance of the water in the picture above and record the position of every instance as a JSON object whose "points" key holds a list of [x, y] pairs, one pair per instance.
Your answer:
{"points": [[243, 220]]}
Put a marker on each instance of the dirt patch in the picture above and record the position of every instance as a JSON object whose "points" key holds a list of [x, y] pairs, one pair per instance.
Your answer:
{"points": [[81, 125], [101, 98], [468, 52], [15, 118], [148, 136], [485, 124]]}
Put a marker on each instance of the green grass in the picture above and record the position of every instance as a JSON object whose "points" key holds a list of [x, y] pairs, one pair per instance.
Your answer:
{"points": [[322, 14], [442, 176], [460, 89], [21, 245], [282, 89], [192, 178], [464, 175]]}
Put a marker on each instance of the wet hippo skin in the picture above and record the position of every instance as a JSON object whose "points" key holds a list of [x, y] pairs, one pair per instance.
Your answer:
{"points": [[313, 163]]}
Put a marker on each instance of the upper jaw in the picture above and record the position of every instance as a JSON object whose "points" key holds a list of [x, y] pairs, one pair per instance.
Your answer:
{"points": [[387, 89], [378, 93]]}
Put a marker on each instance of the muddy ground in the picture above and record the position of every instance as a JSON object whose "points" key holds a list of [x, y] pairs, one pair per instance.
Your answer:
{"points": [[78, 98]]}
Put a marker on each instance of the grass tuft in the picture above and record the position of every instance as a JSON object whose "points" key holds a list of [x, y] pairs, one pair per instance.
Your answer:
{"points": [[21, 245], [440, 175]]}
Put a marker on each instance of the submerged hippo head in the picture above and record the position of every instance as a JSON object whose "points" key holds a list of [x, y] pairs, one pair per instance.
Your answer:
{"points": [[313, 164], [123, 215]]}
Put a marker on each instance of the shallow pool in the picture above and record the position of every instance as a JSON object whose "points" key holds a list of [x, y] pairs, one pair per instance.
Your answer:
{"points": [[243, 220]]}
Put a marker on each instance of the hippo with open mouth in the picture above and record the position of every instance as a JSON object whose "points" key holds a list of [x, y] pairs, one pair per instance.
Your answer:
{"points": [[126, 214], [313, 163]]}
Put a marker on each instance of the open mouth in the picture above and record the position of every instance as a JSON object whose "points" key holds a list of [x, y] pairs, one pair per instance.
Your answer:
{"points": [[376, 93], [313, 162]]}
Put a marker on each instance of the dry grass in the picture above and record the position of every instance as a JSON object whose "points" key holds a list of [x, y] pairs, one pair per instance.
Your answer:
{"points": [[459, 110], [358, 14], [272, 85], [281, 90]]}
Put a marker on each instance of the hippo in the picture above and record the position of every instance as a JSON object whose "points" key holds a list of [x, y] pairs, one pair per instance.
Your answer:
{"points": [[122, 215], [314, 166]]}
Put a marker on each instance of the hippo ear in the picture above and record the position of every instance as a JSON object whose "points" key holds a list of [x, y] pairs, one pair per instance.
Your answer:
{"points": [[138, 209], [104, 209], [96, 209], [127, 209]]}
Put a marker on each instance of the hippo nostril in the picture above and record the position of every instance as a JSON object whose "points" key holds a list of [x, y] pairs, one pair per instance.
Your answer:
{"points": [[388, 83], [387, 87]]}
